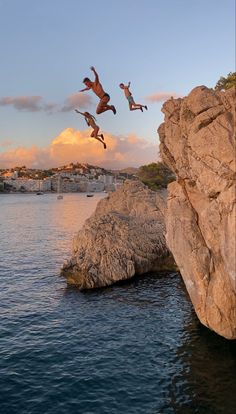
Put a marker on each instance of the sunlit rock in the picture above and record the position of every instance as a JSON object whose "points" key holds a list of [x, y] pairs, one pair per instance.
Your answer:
{"points": [[125, 236], [198, 144]]}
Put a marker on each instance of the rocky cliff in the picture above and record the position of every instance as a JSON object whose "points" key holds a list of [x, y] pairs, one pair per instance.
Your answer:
{"points": [[125, 236], [198, 145]]}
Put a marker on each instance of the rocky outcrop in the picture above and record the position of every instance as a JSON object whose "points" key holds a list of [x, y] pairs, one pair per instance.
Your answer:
{"points": [[198, 144], [125, 236]]}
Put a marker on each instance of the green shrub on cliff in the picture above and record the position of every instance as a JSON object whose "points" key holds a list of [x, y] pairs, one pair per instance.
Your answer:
{"points": [[226, 83], [155, 175]]}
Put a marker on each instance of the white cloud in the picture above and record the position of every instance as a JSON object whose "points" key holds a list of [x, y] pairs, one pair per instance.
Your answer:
{"points": [[77, 100], [161, 96]]}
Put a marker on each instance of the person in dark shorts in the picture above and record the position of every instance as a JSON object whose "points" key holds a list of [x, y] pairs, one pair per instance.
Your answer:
{"points": [[132, 105], [99, 91]]}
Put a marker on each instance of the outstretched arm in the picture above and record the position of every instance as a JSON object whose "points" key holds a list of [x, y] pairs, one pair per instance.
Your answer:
{"points": [[85, 89], [81, 113], [95, 74], [127, 86]]}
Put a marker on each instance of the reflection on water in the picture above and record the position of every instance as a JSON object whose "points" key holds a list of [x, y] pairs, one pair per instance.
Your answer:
{"points": [[136, 347], [44, 221]]}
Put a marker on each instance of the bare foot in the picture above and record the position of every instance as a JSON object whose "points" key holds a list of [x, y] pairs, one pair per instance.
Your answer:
{"points": [[113, 109]]}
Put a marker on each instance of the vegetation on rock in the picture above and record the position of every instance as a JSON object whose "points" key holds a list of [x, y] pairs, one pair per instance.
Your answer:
{"points": [[226, 83], [155, 175]]}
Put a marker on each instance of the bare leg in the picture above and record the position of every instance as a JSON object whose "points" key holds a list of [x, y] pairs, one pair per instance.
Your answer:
{"points": [[103, 106], [95, 135], [104, 145], [134, 106]]}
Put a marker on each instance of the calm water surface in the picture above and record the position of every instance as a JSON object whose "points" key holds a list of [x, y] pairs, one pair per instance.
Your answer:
{"points": [[135, 348]]}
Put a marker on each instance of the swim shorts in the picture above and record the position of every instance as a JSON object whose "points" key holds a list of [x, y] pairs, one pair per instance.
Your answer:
{"points": [[130, 99], [103, 101]]}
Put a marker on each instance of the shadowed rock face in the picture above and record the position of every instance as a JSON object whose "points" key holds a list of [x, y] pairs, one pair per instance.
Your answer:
{"points": [[125, 236], [198, 145]]}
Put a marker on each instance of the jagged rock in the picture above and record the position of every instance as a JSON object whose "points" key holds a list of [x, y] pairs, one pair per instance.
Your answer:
{"points": [[125, 236], [198, 145]]}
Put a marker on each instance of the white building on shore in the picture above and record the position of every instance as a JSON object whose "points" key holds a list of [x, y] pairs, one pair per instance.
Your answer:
{"points": [[29, 184], [95, 186], [67, 183]]}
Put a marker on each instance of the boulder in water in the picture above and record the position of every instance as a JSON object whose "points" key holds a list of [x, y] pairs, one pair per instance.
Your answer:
{"points": [[124, 237]]}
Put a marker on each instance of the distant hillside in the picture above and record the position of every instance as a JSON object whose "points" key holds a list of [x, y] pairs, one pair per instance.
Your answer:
{"points": [[73, 168], [128, 171]]}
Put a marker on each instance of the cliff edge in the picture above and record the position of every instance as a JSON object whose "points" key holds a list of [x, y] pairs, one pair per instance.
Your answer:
{"points": [[198, 145]]}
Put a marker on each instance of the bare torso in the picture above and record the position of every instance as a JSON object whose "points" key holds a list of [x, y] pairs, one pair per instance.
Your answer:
{"points": [[127, 91], [98, 89], [91, 122]]}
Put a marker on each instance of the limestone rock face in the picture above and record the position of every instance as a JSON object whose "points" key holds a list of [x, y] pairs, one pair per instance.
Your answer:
{"points": [[125, 236], [198, 144]]}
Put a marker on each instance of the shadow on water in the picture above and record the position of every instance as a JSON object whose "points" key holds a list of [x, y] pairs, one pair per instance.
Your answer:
{"points": [[201, 365], [206, 382], [137, 281]]}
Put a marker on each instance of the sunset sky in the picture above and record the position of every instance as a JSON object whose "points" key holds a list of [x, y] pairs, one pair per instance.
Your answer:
{"points": [[164, 47]]}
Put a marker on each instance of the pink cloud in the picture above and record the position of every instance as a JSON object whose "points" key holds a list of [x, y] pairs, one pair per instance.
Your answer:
{"points": [[6, 143], [75, 100], [33, 157], [23, 103], [72, 146], [36, 103], [161, 96], [28, 103]]}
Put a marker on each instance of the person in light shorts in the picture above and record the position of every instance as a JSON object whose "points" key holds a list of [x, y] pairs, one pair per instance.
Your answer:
{"points": [[132, 105]]}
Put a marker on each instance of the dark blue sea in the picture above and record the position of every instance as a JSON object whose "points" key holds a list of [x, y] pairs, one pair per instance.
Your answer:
{"points": [[134, 348]]}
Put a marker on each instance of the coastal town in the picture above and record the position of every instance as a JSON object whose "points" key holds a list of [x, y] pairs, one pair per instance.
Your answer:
{"points": [[65, 179]]}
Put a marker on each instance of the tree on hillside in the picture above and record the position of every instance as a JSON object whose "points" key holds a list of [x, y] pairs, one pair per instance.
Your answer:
{"points": [[155, 175], [226, 83]]}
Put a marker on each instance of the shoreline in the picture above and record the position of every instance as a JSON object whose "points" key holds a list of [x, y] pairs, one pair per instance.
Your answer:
{"points": [[53, 192]]}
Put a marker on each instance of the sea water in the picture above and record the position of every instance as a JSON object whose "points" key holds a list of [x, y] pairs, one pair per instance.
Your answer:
{"points": [[134, 348]]}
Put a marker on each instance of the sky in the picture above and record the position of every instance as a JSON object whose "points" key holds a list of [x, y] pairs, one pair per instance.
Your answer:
{"points": [[164, 47]]}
